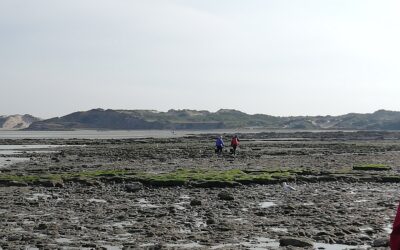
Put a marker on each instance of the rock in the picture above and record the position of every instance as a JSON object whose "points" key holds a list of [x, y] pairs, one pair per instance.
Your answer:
{"points": [[381, 242], [210, 221], [133, 187], [195, 202], [13, 238], [89, 245], [365, 238], [41, 226], [225, 195], [296, 242]]}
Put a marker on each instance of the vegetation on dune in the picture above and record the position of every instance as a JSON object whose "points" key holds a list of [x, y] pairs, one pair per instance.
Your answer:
{"points": [[223, 118]]}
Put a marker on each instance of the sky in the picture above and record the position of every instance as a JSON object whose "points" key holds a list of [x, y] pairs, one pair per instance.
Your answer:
{"points": [[276, 57]]}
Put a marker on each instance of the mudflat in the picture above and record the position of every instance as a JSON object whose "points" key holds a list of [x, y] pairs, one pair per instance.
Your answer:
{"points": [[176, 193]]}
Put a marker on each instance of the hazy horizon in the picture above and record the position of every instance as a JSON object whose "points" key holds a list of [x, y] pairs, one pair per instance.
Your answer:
{"points": [[276, 57]]}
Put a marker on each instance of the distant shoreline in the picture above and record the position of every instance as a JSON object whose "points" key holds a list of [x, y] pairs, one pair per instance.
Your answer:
{"points": [[137, 134]]}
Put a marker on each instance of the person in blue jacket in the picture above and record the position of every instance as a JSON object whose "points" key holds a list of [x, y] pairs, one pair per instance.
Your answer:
{"points": [[219, 144]]}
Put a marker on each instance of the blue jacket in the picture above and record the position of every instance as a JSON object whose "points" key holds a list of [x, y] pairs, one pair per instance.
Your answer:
{"points": [[219, 142]]}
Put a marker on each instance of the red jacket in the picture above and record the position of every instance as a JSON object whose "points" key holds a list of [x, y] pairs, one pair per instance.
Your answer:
{"points": [[234, 141], [395, 235]]}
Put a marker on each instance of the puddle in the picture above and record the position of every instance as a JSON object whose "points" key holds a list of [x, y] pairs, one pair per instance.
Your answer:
{"points": [[184, 231], [260, 243], [224, 246], [266, 204], [7, 161], [184, 245], [39, 235], [359, 201], [63, 240], [8, 151], [43, 151], [185, 197], [107, 247], [35, 146], [179, 207], [28, 222], [388, 228], [145, 204], [18, 229], [122, 224], [337, 246], [263, 243], [279, 229], [200, 223], [19, 149], [366, 228], [147, 245], [97, 200], [35, 197]]}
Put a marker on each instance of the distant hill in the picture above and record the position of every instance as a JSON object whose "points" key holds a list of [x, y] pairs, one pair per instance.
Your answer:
{"points": [[17, 121], [223, 118]]}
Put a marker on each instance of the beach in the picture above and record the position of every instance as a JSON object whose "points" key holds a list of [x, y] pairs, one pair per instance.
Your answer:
{"points": [[176, 193]]}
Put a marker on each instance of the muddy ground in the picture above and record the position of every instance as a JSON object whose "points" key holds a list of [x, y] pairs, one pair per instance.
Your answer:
{"points": [[331, 213]]}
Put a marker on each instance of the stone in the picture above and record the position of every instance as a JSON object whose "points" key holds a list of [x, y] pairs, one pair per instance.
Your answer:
{"points": [[210, 221], [195, 202], [133, 187], [225, 195], [41, 226], [381, 242]]}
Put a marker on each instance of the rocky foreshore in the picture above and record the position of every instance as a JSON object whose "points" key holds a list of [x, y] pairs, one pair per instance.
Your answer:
{"points": [[101, 194]]}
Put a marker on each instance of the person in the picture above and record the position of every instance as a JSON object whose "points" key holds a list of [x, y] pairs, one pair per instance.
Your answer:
{"points": [[395, 235], [234, 144], [219, 144]]}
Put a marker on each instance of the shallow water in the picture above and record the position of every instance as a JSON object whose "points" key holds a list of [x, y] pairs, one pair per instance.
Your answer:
{"points": [[121, 134], [9, 152], [7, 161]]}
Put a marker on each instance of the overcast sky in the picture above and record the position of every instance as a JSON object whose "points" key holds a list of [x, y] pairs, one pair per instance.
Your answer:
{"points": [[277, 57]]}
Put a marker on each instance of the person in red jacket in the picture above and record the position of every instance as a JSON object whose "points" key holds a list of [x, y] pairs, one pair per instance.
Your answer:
{"points": [[234, 144], [395, 235]]}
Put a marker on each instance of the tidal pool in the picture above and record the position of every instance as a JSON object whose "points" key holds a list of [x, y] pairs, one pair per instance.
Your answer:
{"points": [[266, 204]]}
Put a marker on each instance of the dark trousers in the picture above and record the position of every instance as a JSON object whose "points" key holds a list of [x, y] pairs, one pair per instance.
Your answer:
{"points": [[234, 149], [218, 150]]}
